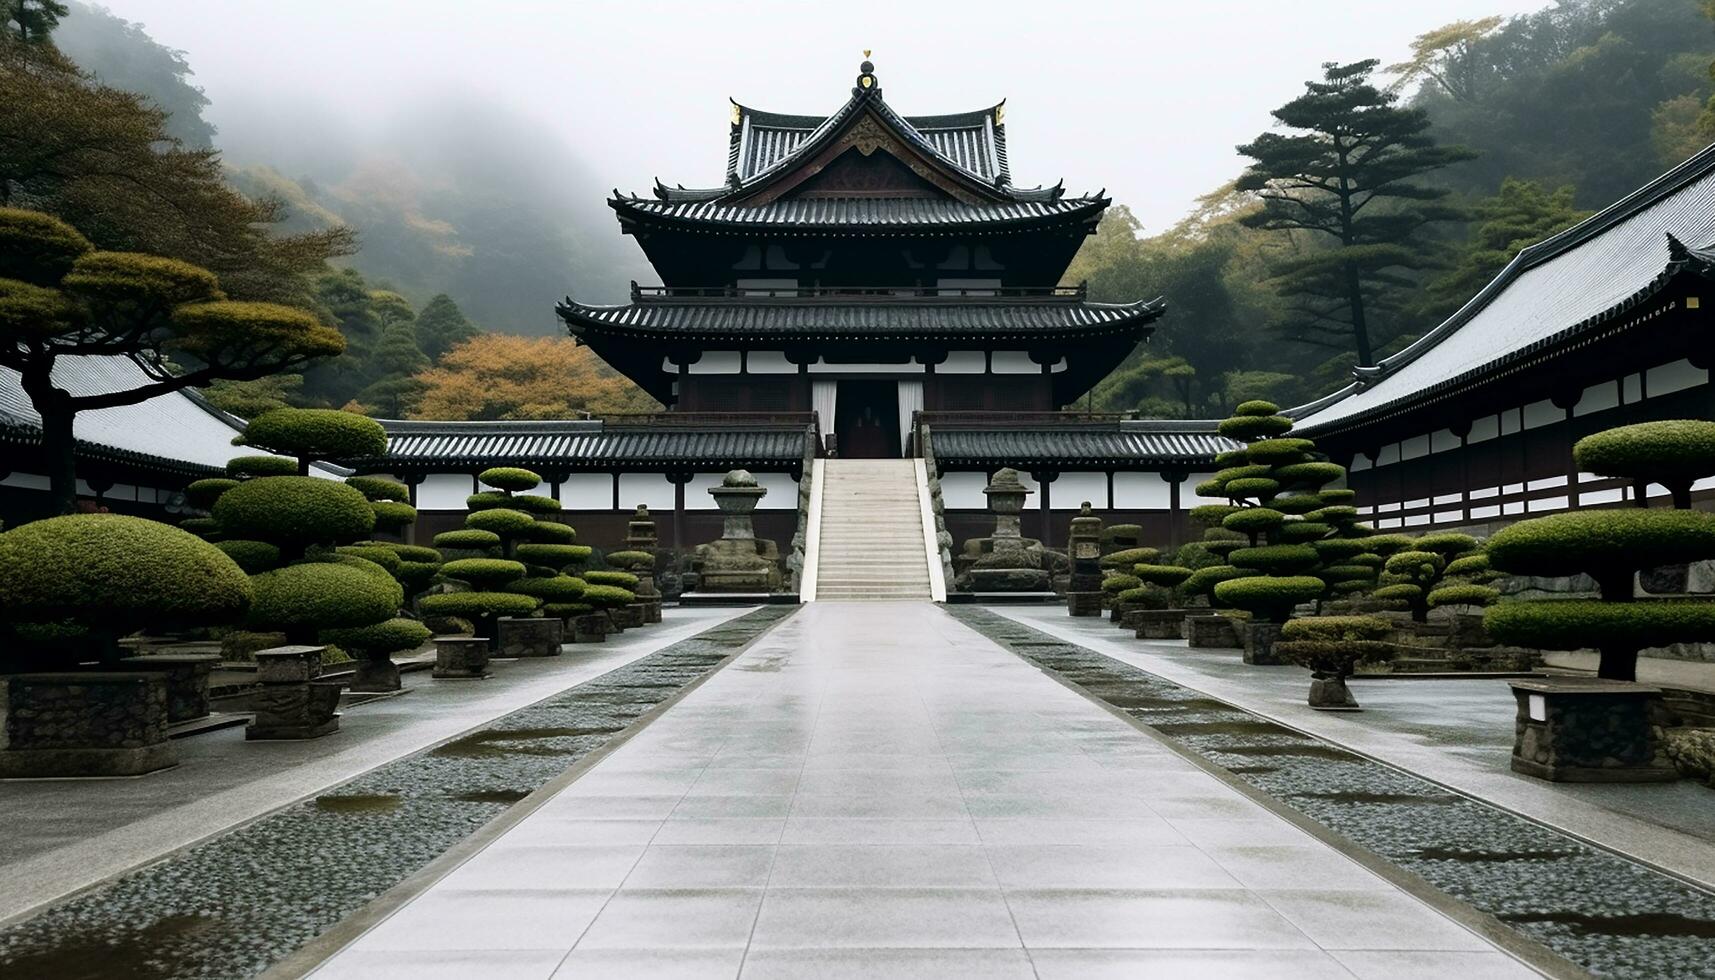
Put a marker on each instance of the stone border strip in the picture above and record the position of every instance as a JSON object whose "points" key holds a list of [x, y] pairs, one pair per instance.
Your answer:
{"points": [[1555, 902], [240, 902]]}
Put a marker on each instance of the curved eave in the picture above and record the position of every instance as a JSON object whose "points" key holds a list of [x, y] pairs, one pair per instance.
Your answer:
{"points": [[17, 435], [634, 211]]}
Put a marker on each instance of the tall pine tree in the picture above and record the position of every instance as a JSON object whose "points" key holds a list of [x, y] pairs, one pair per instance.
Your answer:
{"points": [[442, 325], [1345, 175], [394, 367]]}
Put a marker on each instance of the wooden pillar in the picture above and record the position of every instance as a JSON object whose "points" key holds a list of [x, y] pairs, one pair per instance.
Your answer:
{"points": [[1566, 401], [1174, 516]]}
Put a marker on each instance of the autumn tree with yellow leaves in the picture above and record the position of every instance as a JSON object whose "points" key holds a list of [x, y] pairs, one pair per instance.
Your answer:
{"points": [[500, 376]]}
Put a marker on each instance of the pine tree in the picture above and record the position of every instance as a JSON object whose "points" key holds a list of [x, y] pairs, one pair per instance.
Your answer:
{"points": [[1346, 176], [345, 296], [441, 325], [397, 360], [31, 21]]}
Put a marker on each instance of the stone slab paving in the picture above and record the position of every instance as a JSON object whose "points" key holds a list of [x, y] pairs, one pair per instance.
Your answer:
{"points": [[1457, 732], [876, 790], [62, 835]]}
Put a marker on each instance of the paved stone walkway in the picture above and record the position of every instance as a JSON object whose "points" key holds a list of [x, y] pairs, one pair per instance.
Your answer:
{"points": [[876, 790]]}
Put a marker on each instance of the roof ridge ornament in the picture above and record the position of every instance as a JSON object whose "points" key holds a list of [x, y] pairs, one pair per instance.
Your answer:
{"points": [[866, 81]]}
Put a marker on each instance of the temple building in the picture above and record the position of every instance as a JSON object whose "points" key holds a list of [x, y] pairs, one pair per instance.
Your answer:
{"points": [[864, 265]]}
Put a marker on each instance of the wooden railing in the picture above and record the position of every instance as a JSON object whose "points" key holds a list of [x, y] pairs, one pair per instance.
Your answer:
{"points": [[855, 294]]}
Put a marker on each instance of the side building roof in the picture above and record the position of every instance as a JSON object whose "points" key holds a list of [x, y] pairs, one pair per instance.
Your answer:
{"points": [[1037, 441], [1551, 293]]}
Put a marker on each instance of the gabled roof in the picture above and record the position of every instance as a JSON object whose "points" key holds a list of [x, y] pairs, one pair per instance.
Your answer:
{"points": [[817, 215], [176, 433], [1073, 442], [688, 441], [975, 142], [1551, 292]]}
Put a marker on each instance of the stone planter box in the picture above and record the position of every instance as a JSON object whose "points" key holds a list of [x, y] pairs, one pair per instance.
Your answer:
{"points": [[373, 675], [591, 628], [638, 613], [460, 658], [187, 680], [522, 636], [1573, 730], [293, 704], [1157, 624], [86, 724], [1214, 631], [1259, 640], [616, 620], [1084, 603], [1331, 694]]}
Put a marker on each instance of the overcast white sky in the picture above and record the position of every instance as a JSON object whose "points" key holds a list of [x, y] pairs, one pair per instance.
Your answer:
{"points": [[1146, 98]]}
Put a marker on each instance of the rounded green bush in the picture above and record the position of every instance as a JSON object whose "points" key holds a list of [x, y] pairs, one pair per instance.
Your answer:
{"points": [[1142, 598], [1309, 474], [294, 511], [1364, 558], [206, 528], [316, 433], [314, 596], [560, 588], [483, 571], [377, 639], [1166, 576], [251, 466], [37, 247], [1337, 628], [1121, 533], [390, 514], [380, 488], [501, 520], [548, 531], [1210, 488], [468, 538], [1476, 564], [1257, 406], [1115, 584], [631, 559], [410, 552], [1676, 450], [566, 610], [1340, 549], [1296, 503], [1282, 559], [1574, 624], [1211, 515], [624, 580], [534, 504], [1334, 514], [1447, 543], [203, 493], [1247, 427], [1399, 591], [381, 555], [1242, 472], [1204, 579], [416, 575], [1302, 531], [1463, 594], [1387, 544], [1253, 520], [1279, 450], [607, 596], [477, 605], [1252, 486], [1347, 573], [1418, 565], [1128, 557], [252, 556], [509, 478], [487, 500], [553, 555], [1269, 597], [1611, 542], [1337, 495], [1222, 547], [1232, 457], [117, 574]]}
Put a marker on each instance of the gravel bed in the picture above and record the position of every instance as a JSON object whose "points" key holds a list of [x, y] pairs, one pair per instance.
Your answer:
{"points": [[234, 905], [1610, 915]]}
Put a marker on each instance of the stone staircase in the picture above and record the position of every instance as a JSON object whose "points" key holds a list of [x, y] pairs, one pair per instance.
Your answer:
{"points": [[871, 544]]}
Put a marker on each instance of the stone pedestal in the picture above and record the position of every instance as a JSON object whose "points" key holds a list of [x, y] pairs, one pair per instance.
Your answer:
{"points": [[293, 703], [591, 628], [186, 675], [638, 613], [1212, 632], [1157, 624], [375, 675], [85, 724], [640, 536], [461, 658], [1331, 694], [1083, 603], [1589, 731], [1259, 640], [528, 636], [739, 561], [1084, 547]]}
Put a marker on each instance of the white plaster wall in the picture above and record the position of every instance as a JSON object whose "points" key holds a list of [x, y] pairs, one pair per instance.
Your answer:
{"points": [[769, 362], [1148, 491], [1070, 490], [652, 489], [444, 491], [1677, 376], [964, 491], [961, 362], [587, 491], [1013, 362], [782, 491]]}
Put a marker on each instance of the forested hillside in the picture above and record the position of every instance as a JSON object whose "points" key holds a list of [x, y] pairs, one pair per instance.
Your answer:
{"points": [[1548, 116]]}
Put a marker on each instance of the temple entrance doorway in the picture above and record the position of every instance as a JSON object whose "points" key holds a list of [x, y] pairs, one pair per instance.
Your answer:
{"points": [[868, 419]]}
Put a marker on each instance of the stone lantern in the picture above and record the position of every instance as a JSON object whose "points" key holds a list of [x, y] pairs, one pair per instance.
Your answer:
{"points": [[1084, 547], [739, 561], [641, 537], [1006, 561], [1006, 501]]}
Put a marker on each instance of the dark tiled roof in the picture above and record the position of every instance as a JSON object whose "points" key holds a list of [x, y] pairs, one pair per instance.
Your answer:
{"points": [[1551, 292], [1073, 445], [971, 317], [589, 445], [818, 214], [975, 142]]}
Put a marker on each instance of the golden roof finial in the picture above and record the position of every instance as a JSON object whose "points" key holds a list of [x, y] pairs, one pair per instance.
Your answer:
{"points": [[866, 52]]}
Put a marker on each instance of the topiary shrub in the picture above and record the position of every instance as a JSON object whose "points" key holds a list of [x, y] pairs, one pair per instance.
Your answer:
{"points": [[1463, 594], [1268, 598], [1303, 532], [203, 493], [467, 540], [1165, 576], [206, 528], [624, 580], [607, 596], [631, 560], [387, 558], [1332, 647], [1117, 536], [483, 572], [1674, 453], [1254, 521], [243, 467], [390, 515], [294, 512], [556, 556], [309, 434], [302, 600], [1128, 557], [1203, 580], [380, 640], [481, 608], [252, 556], [379, 488], [558, 588], [1276, 559], [503, 521], [109, 575], [534, 503], [509, 478], [1115, 584]]}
